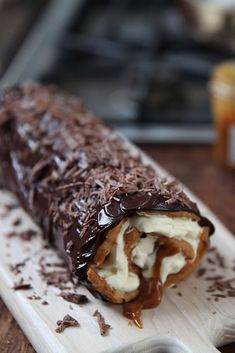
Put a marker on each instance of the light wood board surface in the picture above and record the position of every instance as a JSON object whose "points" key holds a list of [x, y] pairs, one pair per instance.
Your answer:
{"points": [[188, 322]]}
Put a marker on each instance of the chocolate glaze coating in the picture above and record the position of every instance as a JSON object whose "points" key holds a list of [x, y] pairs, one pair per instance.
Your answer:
{"points": [[73, 173]]}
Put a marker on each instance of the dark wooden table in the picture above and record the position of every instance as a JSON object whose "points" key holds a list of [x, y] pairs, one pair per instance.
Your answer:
{"points": [[194, 166]]}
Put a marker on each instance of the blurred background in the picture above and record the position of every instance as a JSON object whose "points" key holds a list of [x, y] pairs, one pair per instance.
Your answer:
{"points": [[143, 66], [152, 69]]}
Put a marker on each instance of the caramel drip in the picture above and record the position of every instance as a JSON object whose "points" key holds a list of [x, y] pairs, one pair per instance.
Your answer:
{"points": [[151, 290]]}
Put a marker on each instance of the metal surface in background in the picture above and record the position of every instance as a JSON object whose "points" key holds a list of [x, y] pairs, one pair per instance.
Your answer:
{"points": [[38, 50], [133, 63]]}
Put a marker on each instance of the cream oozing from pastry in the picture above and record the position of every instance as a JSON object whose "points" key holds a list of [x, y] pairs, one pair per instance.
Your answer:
{"points": [[181, 228], [115, 268]]}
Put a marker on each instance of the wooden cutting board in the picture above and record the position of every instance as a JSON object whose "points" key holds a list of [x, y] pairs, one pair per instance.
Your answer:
{"points": [[190, 319]]}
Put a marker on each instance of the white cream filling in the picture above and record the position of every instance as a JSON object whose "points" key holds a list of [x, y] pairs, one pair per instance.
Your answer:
{"points": [[144, 256], [171, 264], [115, 268], [181, 228]]}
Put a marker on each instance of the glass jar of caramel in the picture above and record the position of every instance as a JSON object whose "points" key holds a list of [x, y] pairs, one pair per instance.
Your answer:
{"points": [[222, 87]]}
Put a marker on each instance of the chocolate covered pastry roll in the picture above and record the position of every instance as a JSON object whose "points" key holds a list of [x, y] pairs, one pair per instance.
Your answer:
{"points": [[125, 232]]}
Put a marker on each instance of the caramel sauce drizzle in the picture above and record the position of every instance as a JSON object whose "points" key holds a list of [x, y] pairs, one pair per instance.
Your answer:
{"points": [[151, 290]]}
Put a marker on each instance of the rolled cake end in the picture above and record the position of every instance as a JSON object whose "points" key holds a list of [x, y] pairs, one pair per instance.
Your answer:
{"points": [[153, 250]]}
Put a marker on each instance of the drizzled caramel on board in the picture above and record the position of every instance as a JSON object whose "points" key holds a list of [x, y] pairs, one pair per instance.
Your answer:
{"points": [[151, 290]]}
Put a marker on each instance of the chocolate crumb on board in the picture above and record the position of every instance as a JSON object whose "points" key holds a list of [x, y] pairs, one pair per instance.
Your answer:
{"points": [[201, 272], [44, 302], [211, 261], [104, 328], [11, 207], [21, 285], [214, 278], [219, 287], [216, 258], [179, 294], [75, 298], [16, 269], [219, 295], [34, 297], [58, 279], [68, 321], [62, 279], [212, 249], [17, 222], [26, 235]]}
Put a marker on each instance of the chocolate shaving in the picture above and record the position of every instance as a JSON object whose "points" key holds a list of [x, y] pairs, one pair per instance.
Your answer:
{"points": [[212, 249], [11, 207], [220, 260], [201, 272], [226, 287], [16, 269], [17, 222], [219, 295], [214, 278], [57, 278], [74, 298], [44, 302], [68, 321], [69, 246], [21, 285], [212, 262], [26, 235], [61, 279], [55, 264], [104, 328], [34, 297], [219, 286]]}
